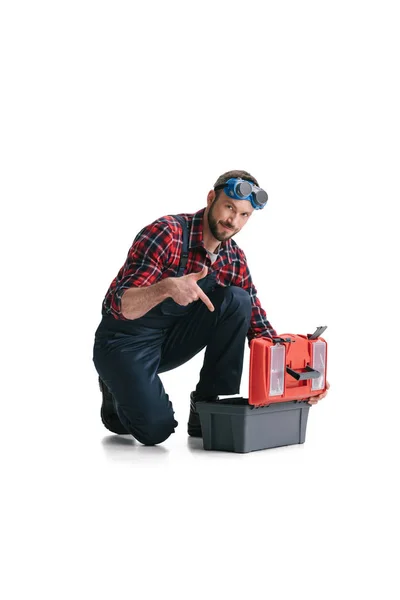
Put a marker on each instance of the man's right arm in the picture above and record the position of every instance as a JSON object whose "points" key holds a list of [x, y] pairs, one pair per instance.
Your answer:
{"points": [[139, 286], [137, 301]]}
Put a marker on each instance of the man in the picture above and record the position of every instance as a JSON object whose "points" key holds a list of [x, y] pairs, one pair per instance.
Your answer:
{"points": [[185, 286]]}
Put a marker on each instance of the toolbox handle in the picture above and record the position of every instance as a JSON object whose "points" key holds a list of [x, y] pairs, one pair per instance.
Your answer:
{"points": [[319, 331], [309, 373]]}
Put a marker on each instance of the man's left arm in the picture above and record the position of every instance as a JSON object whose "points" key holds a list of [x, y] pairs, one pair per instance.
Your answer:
{"points": [[259, 324]]}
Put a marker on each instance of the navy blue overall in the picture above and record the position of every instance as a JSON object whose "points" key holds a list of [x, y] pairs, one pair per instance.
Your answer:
{"points": [[129, 354]]}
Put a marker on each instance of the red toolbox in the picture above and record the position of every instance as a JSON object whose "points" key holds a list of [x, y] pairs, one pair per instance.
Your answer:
{"points": [[284, 373]]}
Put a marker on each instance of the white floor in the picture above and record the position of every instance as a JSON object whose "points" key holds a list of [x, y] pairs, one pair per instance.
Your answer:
{"points": [[88, 514]]}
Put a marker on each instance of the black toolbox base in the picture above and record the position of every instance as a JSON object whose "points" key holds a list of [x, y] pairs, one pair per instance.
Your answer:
{"points": [[235, 426]]}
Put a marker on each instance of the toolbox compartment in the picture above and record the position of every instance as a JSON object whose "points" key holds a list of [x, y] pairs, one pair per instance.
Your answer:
{"points": [[235, 426]]}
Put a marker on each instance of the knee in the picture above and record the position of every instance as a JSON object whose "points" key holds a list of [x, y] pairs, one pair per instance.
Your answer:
{"points": [[156, 432], [240, 299], [151, 431]]}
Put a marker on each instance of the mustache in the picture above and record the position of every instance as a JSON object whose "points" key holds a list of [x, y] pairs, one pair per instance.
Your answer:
{"points": [[228, 226]]}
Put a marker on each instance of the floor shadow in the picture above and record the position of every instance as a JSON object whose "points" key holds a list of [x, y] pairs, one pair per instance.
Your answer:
{"points": [[126, 448], [118, 441]]}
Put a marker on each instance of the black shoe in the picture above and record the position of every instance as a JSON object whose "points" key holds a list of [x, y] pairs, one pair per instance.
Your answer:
{"points": [[108, 415], [194, 426]]}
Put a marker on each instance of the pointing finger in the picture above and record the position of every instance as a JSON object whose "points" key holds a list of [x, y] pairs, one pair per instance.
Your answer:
{"points": [[206, 300]]}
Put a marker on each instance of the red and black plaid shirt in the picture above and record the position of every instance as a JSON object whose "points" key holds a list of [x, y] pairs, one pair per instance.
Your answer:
{"points": [[155, 254]]}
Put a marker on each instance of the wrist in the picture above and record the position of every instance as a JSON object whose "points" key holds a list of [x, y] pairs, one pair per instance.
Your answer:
{"points": [[166, 287]]}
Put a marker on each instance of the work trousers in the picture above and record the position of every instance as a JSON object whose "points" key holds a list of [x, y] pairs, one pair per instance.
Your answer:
{"points": [[130, 354]]}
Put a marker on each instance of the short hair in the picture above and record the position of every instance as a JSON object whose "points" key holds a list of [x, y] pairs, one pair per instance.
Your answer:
{"points": [[222, 179]]}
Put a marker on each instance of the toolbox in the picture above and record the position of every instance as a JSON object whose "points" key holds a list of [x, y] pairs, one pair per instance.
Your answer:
{"points": [[285, 372]]}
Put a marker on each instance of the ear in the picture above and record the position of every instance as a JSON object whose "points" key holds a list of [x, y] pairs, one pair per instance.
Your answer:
{"points": [[210, 197]]}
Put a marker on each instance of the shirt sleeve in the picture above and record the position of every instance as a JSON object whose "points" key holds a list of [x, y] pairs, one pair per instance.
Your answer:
{"points": [[148, 257], [259, 324]]}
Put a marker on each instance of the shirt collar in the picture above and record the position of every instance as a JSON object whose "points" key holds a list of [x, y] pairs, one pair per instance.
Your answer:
{"points": [[196, 236]]}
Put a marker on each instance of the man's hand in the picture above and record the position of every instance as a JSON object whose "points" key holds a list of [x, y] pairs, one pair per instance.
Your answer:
{"points": [[184, 290], [316, 399]]}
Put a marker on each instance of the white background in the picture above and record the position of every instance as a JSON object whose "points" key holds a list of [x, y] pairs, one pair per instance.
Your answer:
{"points": [[114, 114]]}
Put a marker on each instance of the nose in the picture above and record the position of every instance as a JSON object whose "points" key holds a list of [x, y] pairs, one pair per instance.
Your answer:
{"points": [[232, 221]]}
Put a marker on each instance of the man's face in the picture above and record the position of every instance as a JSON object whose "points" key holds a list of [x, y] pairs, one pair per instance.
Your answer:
{"points": [[226, 217]]}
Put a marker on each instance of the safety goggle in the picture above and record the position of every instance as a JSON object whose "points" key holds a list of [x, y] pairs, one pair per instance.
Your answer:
{"points": [[240, 189]]}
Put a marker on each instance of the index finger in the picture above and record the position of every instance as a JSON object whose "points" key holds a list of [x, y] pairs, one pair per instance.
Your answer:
{"points": [[206, 300]]}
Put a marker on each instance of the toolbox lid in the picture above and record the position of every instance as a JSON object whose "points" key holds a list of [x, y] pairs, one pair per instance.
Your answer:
{"points": [[287, 368]]}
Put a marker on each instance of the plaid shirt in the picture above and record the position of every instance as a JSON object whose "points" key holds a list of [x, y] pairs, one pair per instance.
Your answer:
{"points": [[155, 254]]}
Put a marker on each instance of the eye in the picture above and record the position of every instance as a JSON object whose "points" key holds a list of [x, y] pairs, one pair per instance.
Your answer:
{"points": [[229, 206]]}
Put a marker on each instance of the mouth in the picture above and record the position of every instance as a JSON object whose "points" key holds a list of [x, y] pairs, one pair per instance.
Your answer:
{"points": [[226, 227]]}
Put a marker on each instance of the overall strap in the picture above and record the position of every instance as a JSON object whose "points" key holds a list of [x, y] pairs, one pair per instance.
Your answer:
{"points": [[185, 244]]}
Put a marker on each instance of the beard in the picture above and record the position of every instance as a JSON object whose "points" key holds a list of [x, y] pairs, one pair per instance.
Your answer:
{"points": [[220, 235]]}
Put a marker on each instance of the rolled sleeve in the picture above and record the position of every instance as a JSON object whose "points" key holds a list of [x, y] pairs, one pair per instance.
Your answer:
{"points": [[147, 259]]}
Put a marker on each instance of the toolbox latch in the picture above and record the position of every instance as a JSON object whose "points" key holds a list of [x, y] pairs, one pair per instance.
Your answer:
{"points": [[281, 340]]}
